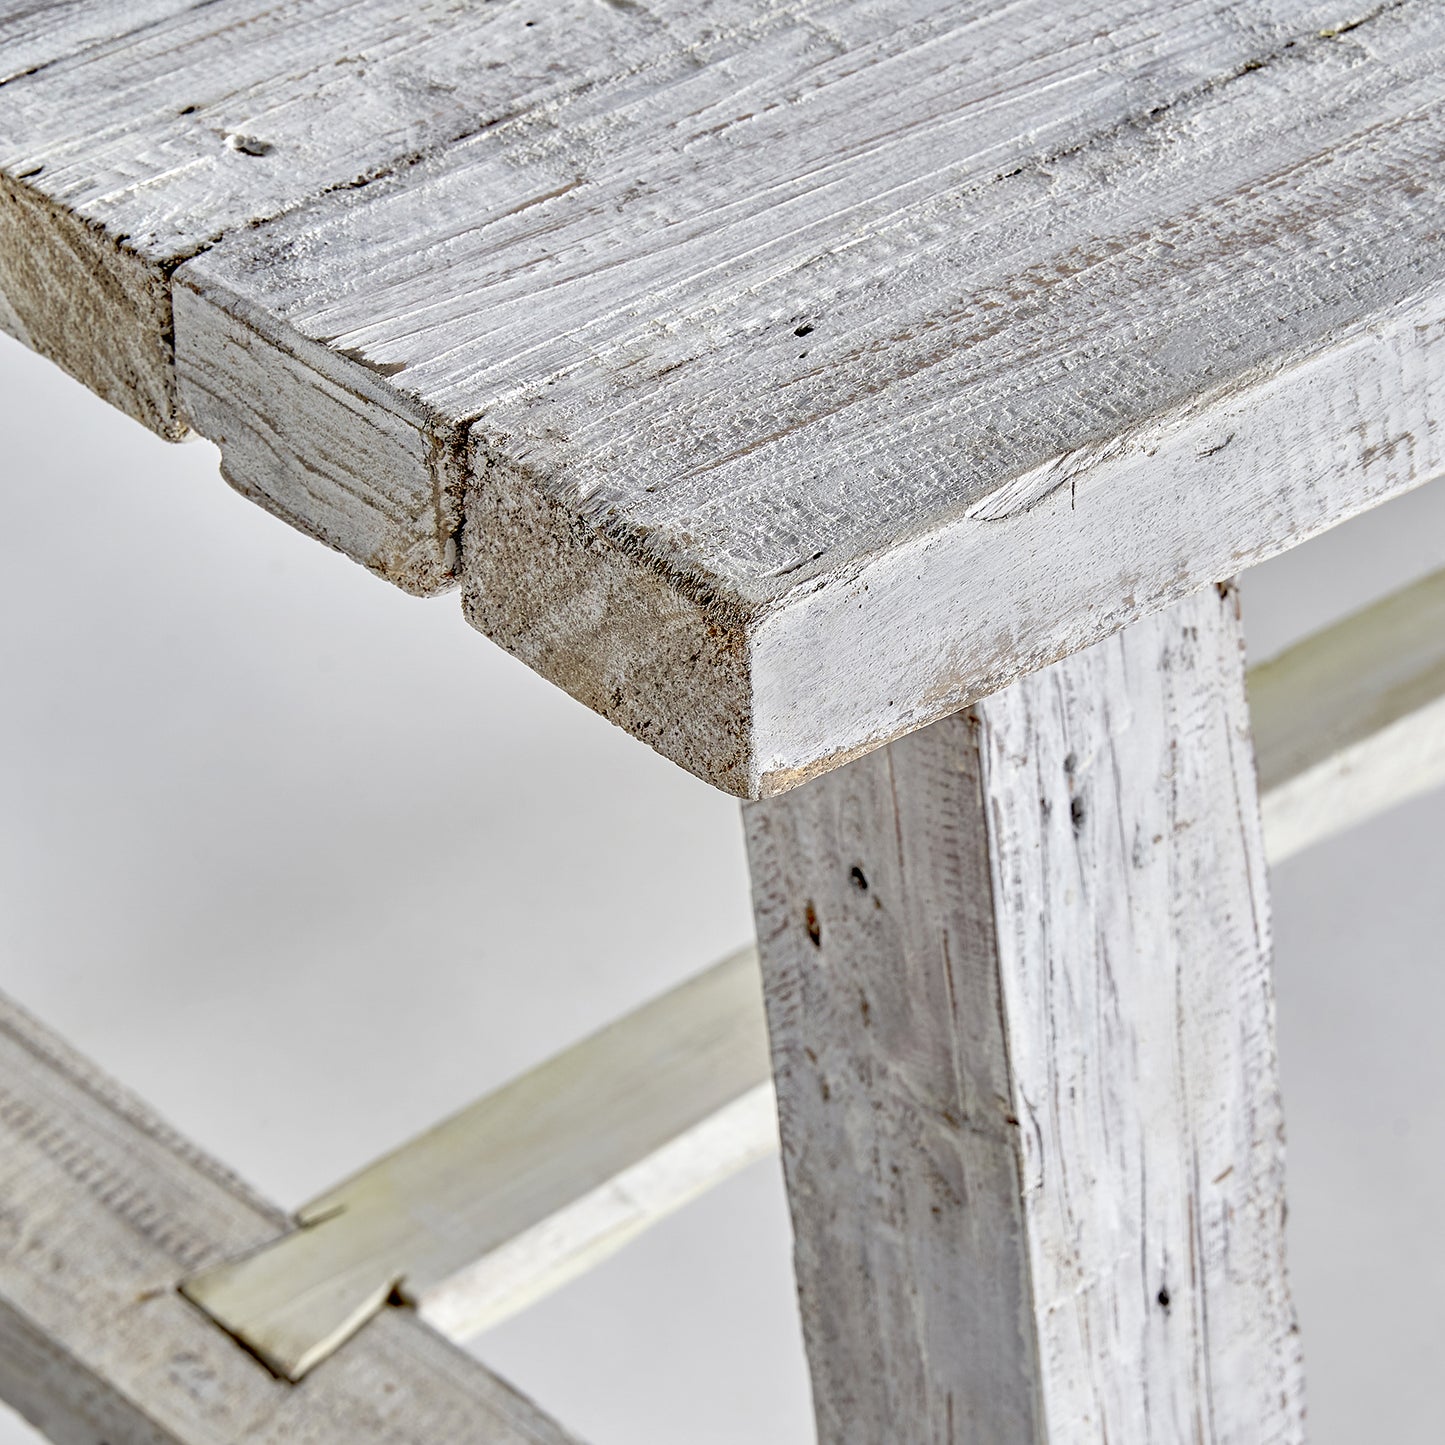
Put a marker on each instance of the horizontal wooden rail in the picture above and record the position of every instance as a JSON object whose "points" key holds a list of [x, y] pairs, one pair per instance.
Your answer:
{"points": [[526, 1187], [1351, 721], [102, 1209], [547, 1176]]}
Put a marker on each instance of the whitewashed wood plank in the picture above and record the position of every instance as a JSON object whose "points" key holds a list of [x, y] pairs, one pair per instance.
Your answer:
{"points": [[102, 1211], [797, 425], [964, 609], [37, 33], [1018, 986], [619, 160], [133, 136], [524, 1189], [1351, 721]]}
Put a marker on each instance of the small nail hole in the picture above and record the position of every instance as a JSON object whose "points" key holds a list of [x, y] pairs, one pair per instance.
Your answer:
{"points": [[249, 145]]}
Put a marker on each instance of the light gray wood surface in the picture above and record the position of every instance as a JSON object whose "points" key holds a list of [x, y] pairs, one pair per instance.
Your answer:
{"points": [[790, 375], [103, 1210], [528, 1187], [1017, 971], [1351, 721], [136, 133], [522, 1190]]}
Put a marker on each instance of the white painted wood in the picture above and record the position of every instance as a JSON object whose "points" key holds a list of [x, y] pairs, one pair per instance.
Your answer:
{"points": [[102, 1211], [488, 277], [1345, 724], [135, 133], [524, 1189], [798, 426], [37, 33], [1351, 721], [800, 373], [1018, 983]]}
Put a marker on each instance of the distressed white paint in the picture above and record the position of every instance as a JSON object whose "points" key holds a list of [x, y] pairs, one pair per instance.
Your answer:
{"points": [[102, 1211], [133, 134], [506, 270], [1017, 291], [1018, 983], [37, 33], [1351, 721], [483, 1215], [1345, 724], [962, 610], [813, 364], [525, 1188]]}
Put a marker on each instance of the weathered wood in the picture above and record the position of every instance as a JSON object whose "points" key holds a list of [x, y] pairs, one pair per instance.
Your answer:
{"points": [[329, 93], [102, 1211], [1351, 721], [801, 372], [524, 1189], [1018, 986], [795, 426], [630, 204], [134, 134], [483, 1216], [37, 33]]}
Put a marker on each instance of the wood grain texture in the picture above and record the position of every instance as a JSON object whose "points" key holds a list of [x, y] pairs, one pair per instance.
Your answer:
{"points": [[834, 393], [102, 1211], [1351, 721], [796, 373], [134, 134], [646, 151], [35, 34], [1345, 724], [524, 1189], [1018, 987]]}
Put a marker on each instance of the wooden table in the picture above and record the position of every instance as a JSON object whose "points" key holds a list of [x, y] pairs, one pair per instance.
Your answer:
{"points": [[865, 405]]}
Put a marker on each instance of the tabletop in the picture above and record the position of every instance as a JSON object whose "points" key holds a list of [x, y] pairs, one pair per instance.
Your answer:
{"points": [[776, 378], [784, 380]]}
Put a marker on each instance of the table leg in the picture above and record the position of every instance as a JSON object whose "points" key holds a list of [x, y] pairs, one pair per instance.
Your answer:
{"points": [[1017, 975]]}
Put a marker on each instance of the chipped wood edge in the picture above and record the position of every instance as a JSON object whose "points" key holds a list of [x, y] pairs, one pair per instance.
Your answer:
{"points": [[104, 313], [380, 480]]}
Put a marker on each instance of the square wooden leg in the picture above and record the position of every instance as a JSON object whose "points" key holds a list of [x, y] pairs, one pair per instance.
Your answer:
{"points": [[1017, 975]]}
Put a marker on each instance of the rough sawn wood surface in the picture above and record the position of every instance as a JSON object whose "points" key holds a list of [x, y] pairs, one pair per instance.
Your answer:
{"points": [[1017, 975], [776, 378], [103, 1209]]}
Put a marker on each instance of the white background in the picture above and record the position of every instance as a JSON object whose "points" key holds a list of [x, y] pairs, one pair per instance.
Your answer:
{"points": [[309, 864]]}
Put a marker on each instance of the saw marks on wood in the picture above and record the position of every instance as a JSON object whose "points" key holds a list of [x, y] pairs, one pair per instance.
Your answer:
{"points": [[779, 378], [166, 126], [102, 1211], [1017, 973]]}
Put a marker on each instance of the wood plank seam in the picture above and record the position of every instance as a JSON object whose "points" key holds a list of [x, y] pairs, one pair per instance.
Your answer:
{"points": [[691, 660], [764, 543]]}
